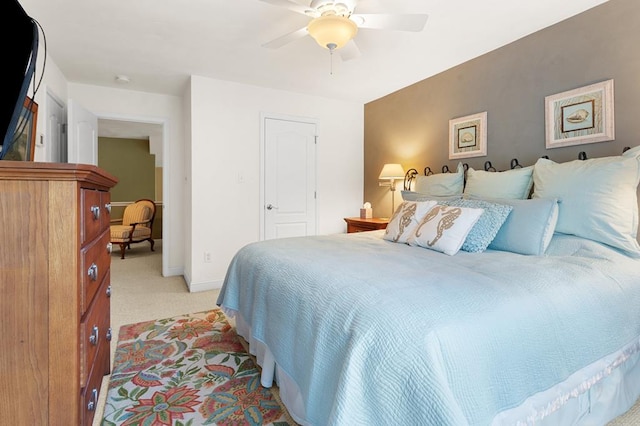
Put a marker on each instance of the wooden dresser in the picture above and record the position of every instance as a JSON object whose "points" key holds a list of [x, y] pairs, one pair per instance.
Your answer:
{"points": [[54, 291]]}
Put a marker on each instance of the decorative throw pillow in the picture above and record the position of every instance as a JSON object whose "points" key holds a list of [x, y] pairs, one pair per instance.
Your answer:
{"points": [[487, 227], [445, 228], [598, 198], [510, 184], [441, 184], [405, 220], [528, 228]]}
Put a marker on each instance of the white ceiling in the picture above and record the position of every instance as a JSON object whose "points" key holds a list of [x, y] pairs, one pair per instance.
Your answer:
{"points": [[160, 43]]}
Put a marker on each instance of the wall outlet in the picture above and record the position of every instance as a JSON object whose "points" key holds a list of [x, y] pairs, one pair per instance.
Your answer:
{"points": [[207, 257]]}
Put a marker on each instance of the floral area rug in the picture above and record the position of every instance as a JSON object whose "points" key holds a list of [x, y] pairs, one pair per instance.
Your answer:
{"points": [[186, 371]]}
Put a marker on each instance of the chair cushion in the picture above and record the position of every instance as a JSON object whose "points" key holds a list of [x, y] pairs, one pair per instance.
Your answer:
{"points": [[120, 233], [136, 213]]}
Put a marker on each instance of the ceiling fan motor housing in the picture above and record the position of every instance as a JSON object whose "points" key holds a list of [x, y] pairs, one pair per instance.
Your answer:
{"points": [[328, 7]]}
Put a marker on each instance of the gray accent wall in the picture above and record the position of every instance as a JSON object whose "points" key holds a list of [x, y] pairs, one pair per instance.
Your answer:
{"points": [[411, 126]]}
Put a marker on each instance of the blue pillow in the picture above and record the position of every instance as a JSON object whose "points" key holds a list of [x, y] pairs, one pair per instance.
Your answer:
{"points": [[417, 196], [598, 197], [487, 227], [510, 184], [441, 184], [528, 228]]}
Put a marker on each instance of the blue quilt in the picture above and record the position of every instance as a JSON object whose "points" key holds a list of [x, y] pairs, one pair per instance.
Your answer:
{"points": [[381, 333]]}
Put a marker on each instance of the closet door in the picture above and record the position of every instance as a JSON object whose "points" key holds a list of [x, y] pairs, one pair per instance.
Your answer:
{"points": [[289, 178]]}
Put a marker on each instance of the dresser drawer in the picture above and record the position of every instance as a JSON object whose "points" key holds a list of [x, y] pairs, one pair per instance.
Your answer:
{"points": [[90, 223], [105, 205], [95, 331], [90, 393], [95, 262]]}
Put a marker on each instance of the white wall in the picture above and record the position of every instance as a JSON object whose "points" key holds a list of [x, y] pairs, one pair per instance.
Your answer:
{"points": [[213, 132], [155, 108], [225, 140], [55, 83]]}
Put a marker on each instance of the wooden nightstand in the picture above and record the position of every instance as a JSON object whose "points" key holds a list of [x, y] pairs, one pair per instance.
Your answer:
{"points": [[355, 224]]}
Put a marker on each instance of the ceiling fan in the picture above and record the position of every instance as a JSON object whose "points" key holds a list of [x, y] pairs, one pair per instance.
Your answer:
{"points": [[334, 24]]}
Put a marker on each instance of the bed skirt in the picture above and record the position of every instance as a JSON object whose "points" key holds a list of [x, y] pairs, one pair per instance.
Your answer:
{"points": [[595, 395]]}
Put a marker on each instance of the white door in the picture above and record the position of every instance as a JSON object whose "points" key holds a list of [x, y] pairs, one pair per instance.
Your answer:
{"points": [[289, 178], [82, 135], [56, 147]]}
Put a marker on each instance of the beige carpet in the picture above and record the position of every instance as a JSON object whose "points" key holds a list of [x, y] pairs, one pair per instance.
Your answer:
{"points": [[141, 293]]}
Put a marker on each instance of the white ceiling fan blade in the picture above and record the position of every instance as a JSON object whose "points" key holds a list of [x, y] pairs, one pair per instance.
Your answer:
{"points": [[381, 21], [349, 51], [287, 4], [287, 38]]}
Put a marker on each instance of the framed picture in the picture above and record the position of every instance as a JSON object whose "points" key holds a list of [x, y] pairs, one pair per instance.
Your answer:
{"points": [[579, 116], [468, 136], [24, 146]]}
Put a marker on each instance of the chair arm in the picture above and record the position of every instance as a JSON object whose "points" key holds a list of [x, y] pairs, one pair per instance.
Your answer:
{"points": [[140, 223]]}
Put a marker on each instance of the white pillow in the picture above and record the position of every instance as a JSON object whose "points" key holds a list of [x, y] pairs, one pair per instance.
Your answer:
{"points": [[598, 198], [444, 228], [405, 220], [510, 184], [441, 184]]}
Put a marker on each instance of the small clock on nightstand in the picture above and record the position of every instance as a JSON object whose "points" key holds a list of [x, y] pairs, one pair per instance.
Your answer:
{"points": [[356, 224]]}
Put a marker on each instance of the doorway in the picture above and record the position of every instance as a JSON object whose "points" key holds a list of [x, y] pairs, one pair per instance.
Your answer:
{"points": [[119, 131], [58, 123]]}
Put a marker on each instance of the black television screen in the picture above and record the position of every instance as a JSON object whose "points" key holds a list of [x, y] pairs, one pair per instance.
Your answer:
{"points": [[19, 38]]}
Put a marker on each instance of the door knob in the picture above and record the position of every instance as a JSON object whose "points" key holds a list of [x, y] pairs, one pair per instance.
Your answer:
{"points": [[271, 207]]}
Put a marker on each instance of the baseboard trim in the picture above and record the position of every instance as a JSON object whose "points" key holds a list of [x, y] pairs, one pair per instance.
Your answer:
{"points": [[205, 286], [172, 272]]}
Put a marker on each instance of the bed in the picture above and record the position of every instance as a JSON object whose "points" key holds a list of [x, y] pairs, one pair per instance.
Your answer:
{"points": [[534, 322]]}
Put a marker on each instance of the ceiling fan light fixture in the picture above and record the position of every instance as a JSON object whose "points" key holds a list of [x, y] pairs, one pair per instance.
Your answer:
{"points": [[332, 31]]}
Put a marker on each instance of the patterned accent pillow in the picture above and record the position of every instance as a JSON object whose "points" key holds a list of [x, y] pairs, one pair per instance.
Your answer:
{"points": [[487, 227], [405, 220], [445, 228]]}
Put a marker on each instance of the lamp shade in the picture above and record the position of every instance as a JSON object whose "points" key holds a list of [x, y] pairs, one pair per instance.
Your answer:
{"points": [[332, 31], [391, 172]]}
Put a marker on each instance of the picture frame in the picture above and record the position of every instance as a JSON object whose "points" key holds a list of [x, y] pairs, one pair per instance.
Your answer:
{"points": [[468, 136], [23, 149], [580, 116]]}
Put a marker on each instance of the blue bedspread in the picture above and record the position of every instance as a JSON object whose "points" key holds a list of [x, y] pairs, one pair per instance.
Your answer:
{"points": [[380, 333]]}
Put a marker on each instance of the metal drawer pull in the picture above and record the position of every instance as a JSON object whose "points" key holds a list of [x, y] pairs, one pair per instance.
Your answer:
{"points": [[108, 336], [109, 248], [108, 291], [93, 272], [93, 400], [96, 212], [93, 339], [108, 207]]}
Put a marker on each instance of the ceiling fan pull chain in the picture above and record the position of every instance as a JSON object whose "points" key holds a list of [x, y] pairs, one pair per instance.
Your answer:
{"points": [[331, 62], [331, 47]]}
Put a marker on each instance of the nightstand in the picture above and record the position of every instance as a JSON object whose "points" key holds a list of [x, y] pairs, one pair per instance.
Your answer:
{"points": [[356, 224]]}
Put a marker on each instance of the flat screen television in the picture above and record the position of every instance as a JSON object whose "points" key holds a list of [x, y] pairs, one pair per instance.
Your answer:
{"points": [[19, 38]]}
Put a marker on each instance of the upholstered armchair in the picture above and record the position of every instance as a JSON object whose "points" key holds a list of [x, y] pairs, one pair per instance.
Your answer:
{"points": [[136, 227]]}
